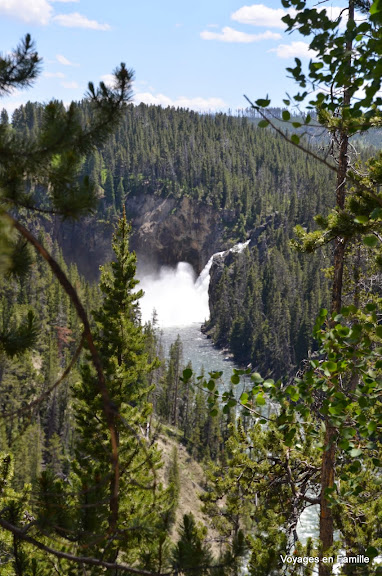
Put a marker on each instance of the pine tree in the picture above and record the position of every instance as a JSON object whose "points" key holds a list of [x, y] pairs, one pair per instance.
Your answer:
{"points": [[191, 555], [120, 339], [40, 168], [41, 173], [173, 382], [120, 195], [174, 485], [109, 190]]}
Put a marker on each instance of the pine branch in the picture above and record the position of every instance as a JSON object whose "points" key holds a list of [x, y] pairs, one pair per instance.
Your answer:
{"points": [[20, 68], [349, 175], [19, 533], [286, 137], [16, 342], [109, 409], [53, 158], [107, 104], [90, 561]]}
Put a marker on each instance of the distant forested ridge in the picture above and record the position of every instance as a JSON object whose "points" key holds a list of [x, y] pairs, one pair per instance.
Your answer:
{"points": [[94, 418], [224, 161]]}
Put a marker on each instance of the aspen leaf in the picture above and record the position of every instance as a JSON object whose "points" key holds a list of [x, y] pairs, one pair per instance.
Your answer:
{"points": [[187, 373], [370, 241]]}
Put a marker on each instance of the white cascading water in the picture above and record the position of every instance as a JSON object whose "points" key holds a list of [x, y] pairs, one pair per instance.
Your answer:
{"points": [[178, 297]]}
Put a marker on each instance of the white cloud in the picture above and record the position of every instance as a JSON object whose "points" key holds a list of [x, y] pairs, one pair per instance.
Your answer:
{"points": [[77, 20], [64, 61], [41, 12], [29, 11], [109, 80], [53, 75], [293, 50], [230, 35], [200, 104], [260, 15], [70, 85]]}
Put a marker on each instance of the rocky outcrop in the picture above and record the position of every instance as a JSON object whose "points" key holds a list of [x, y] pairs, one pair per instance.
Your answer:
{"points": [[258, 238], [165, 232], [86, 243], [168, 231]]}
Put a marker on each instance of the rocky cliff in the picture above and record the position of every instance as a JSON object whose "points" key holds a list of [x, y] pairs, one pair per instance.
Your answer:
{"points": [[165, 231]]}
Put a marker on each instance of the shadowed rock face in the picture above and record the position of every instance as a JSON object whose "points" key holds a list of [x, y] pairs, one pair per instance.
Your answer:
{"points": [[165, 232]]}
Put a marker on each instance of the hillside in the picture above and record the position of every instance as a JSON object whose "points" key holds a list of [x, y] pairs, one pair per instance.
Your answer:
{"points": [[192, 482], [194, 185]]}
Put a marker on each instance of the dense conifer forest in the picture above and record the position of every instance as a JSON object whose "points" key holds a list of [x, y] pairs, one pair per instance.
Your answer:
{"points": [[247, 174], [263, 303], [224, 161], [86, 393]]}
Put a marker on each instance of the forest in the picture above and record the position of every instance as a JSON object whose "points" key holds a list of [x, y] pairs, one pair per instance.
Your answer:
{"points": [[247, 175], [94, 416]]}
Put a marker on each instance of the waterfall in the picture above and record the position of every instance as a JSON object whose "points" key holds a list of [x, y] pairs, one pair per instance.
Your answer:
{"points": [[174, 295], [178, 297]]}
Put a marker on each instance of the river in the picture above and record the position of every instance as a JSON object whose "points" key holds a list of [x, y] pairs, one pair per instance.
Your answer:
{"points": [[180, 300]]}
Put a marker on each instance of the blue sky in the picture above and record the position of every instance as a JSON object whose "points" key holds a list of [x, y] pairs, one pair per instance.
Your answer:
{"points": [[199, 54]]}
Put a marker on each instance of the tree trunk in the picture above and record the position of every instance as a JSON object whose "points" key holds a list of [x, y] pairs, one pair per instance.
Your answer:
{"points": [[329, 454], [327, 481]]}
